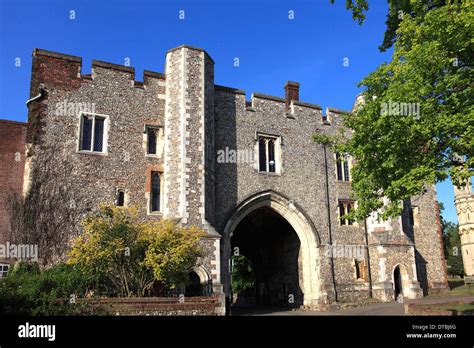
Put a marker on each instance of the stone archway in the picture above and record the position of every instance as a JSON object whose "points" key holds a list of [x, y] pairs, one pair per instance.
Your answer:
{"points": [[302, 226], [400, 281], [200, 282]]}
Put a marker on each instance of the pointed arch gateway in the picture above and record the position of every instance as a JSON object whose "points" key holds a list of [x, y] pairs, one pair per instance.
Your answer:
{"points": [[309, 241]]}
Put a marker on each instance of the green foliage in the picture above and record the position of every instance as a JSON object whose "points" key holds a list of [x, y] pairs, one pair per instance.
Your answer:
{"points": [[399, 153], [24, 268], [111, 245], [134, 254], [172, 251], [358, 8], [25, 291], [324, 139], [243, 277], [397, 10], [452, 249], [455, 265]]}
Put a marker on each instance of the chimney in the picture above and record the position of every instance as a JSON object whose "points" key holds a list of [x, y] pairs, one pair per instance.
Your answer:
{"points": [[292, 92]]}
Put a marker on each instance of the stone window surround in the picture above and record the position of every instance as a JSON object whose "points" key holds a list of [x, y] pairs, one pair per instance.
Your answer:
{"points": [[149, 170], [364, 266], [278, 152], [346, 200], [105, 140], [126, 198], [349, 162], [159, 140]]}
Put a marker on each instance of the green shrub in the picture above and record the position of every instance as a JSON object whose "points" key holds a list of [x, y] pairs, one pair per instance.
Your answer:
{"points": [[24, 268], [26, 291], [243, 276]]}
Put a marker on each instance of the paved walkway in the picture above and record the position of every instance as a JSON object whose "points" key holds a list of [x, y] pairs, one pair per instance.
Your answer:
{"points": [[391, 308]]}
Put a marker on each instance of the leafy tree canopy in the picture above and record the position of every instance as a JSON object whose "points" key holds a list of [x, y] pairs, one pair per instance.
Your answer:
{"points": [[397, 9], [416, 126]]}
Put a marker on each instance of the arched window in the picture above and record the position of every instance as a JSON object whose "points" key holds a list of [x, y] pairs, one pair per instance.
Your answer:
{"points": [[268, 147], [342, 167]]}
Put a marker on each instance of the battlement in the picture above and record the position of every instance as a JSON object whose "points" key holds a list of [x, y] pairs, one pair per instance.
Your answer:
{"points": [[260, 101], [70, 67], [73, 64]]}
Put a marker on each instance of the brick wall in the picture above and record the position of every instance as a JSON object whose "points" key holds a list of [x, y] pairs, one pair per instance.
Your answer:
{"points": [[155, 306], [12, 159]]}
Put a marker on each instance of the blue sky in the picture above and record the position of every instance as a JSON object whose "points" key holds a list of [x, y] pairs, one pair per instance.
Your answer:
{"points": [[271, 47]]}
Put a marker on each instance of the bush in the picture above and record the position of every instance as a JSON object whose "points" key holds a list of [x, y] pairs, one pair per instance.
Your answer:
{"points": [[135, 255], [455, 265], [26, 291], [24, 268]]}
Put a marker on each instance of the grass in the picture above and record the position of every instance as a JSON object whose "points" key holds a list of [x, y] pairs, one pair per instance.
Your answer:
{"points": [[458, 307], [457, 288], [461, 308]]}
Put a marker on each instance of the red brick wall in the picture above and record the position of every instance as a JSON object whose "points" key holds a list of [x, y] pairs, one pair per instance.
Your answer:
{"points": [[12, 149], [158, 306]]}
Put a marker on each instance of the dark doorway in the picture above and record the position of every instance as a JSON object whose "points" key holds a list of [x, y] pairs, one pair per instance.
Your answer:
{"points": [[194, 287], [272, 248], [397, 279]]}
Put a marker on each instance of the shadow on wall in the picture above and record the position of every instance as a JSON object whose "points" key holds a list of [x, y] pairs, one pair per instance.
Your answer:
{"points": [[225, 105], [421, 272]]}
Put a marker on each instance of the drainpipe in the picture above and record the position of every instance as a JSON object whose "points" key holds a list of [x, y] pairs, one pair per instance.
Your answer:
{"points": [[328, 205], [368, 257], [41, 93]]}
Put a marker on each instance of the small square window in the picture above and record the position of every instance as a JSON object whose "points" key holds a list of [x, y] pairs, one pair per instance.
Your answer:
{"points": [[120, 198], [3, 270]]}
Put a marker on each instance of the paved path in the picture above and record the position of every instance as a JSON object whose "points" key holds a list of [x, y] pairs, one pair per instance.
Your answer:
{"points": [[391, 308]]}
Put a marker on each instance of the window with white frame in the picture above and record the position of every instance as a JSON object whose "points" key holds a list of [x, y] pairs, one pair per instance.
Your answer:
{"points": [[268, 153], [342, 167], [345, 207], [4, 270], [93, 133]]}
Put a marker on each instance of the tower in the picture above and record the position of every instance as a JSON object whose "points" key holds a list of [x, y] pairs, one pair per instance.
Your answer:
{"points": [[464, 202], [189, 132]]}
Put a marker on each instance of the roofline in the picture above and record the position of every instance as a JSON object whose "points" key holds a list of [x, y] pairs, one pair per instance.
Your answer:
{"points": [[14, 122], [42, 52], [191, 48]]}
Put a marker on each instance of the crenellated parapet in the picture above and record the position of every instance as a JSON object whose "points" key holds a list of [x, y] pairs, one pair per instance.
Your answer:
{"points": [[65, 70]]}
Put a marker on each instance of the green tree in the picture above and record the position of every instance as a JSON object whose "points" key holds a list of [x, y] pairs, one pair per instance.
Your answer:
{"points": [[397, 9], [243, 277], [172, 251], [452, 249], [134, 254], [417, 124]]}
